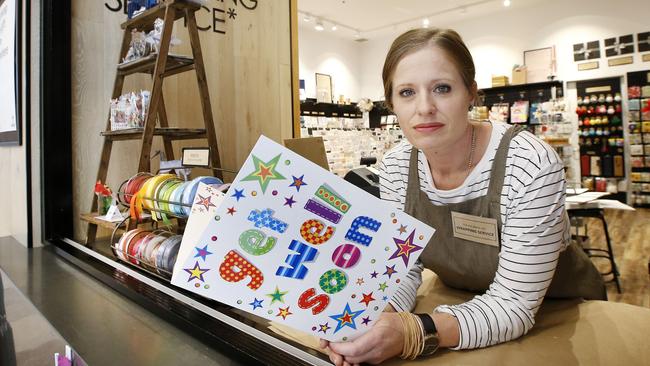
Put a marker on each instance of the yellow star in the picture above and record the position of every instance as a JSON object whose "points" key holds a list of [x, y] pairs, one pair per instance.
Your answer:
{"points": [[196, 272], [284, 313]]}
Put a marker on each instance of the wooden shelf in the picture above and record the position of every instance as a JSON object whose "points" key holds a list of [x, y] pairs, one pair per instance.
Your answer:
{"points": [[171, 133], [92, 218], [144, 21], [175, 64]]}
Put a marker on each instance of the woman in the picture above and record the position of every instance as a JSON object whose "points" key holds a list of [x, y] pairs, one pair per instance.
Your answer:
{"points": [[495, 196]]}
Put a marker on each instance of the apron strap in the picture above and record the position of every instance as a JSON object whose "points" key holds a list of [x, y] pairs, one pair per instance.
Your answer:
{"points": [[413, 185], [499, 164]]}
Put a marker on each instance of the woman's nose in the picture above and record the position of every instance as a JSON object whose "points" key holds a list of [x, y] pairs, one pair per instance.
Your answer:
{"points": [[425, 104]]}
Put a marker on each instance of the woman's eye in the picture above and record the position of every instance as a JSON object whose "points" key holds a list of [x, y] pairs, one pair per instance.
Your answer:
{"points": [[406, 92], [442, 89]]}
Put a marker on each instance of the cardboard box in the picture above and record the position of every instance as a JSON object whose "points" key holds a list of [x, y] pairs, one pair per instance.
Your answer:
{"points": [[519, 75], [499, 80]]}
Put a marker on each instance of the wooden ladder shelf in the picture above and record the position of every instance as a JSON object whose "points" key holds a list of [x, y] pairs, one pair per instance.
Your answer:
{"points": [[159, 65]]}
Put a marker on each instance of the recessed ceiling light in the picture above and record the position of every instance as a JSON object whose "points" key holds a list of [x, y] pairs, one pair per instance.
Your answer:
{"points": [[506, 3], [334, 27], [306, 18], [357, 34], [319, 26], [425, 23]]}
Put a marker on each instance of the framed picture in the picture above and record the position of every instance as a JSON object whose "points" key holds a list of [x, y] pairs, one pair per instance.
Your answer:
{"points": [[540, 64], [10, 70], [643, 41], [586, 51], [622, 45], [323, 88]]}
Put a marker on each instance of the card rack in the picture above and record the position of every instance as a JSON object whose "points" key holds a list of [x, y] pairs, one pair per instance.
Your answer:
{"points": [[601, 135], [639, 135]]}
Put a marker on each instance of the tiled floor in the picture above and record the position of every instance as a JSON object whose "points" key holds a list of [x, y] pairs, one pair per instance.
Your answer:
{"points": [[35, 340]]}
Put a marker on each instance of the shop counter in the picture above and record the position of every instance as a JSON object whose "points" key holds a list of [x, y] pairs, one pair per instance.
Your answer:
{"points": [[567, 332]]}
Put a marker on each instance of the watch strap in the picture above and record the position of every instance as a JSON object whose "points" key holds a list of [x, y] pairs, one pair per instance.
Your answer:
{"points": [[428, 324]]}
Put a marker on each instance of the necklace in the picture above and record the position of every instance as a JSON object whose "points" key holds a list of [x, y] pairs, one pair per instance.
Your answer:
{"points": [[471, 150]]}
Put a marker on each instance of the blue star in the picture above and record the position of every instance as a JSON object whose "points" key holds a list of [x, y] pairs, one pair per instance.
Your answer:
{"points": [[256, 303], [346, 318], [298, 182], [374, 274], [289, 201], [239, 193], [385, 298], [202, 252]]}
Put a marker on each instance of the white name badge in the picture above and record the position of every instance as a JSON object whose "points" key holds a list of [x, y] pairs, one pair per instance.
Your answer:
{"points": [[475, 228]]}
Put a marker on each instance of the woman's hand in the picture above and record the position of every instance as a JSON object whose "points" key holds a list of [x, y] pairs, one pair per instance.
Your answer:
{"points": [[383, 341]]}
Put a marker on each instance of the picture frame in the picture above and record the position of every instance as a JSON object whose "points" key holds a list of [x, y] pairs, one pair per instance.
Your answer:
{"points": [[540, 64], [323, 88], [10, 69]]}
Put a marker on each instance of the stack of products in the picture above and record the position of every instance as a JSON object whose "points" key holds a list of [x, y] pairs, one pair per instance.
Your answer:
{"points": [[129, 110]]}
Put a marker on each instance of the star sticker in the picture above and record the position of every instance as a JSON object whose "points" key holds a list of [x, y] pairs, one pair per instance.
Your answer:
{"points": [[232, 13], [298, 182], [383, 286], [196, 272], [324, 328], [402, 229], [405, 248], [284, 313], [365, 320], [385, 298], [390, 271], [231, 211], [346, 318], [277, 295], [360, 281], [256, 303], [265, 172], [289, 201], [374, 274], [202, 252], [367, 298], [205, 201], [239, 193]]}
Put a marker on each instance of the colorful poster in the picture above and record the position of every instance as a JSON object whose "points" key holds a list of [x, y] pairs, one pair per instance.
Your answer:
{"points": [[295, 244]]}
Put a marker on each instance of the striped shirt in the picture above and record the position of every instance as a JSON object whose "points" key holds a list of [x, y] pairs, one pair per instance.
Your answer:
{"points": [[534, 231]]}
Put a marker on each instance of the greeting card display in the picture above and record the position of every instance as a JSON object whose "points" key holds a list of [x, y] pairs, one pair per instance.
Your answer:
{"points": [[295, 244]]}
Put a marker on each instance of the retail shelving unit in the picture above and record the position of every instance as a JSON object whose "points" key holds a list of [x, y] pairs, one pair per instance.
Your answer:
{"points": [[639, 133], [160, 66], [601, 135]]}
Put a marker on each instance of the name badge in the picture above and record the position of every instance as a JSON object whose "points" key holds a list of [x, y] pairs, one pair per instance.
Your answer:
{"points": [[475, 228]]}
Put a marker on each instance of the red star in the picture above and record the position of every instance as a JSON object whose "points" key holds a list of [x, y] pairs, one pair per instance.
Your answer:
{"points": [[284, 313], [264, 171], [204, 201], [346, 318], [231, 210], [405, 248], [367, 299]]}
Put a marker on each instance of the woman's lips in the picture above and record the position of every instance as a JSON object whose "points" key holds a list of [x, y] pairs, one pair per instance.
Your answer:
{"points": [[428, 127]]}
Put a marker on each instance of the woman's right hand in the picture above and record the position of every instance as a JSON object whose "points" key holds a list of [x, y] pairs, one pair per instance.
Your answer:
{"points": [[383, 341]]}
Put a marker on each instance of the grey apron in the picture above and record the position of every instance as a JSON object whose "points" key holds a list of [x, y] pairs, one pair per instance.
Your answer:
{"points": [[471, 266]]}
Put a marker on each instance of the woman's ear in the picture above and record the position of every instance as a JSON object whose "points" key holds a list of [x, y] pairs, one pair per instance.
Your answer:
{"points": [[473, 92]]}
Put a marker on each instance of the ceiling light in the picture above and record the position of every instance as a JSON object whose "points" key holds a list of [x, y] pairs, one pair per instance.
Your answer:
{"points": [[319, 26], [357, 34], [425, 23], [334, 28], [306, 18], [506, 3]]}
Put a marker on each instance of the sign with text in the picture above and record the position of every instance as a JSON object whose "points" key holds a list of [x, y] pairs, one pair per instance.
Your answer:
{"points": [[294, 243]]}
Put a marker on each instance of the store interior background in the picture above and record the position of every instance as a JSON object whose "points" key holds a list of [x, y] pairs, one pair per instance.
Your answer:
{"points": [[497, 37]]}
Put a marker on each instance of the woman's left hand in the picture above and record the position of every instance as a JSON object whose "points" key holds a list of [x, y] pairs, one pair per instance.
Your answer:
{"points": [[383, 341]]}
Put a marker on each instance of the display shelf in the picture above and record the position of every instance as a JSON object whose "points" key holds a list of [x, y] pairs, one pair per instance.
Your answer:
{"points": [[168, 132], [91, 217], [175, 64], [144, 21], [311, 108]]}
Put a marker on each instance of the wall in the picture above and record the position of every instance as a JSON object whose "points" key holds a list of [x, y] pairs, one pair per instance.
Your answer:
{"points": [[248, 71], [13, 159], [325, 53], [498, 42]]}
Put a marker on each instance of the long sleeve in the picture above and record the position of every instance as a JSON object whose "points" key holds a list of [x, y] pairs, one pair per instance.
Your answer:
{"points": [[534, 233]]}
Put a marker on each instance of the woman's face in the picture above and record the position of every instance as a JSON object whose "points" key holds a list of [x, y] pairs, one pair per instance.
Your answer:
{"points": [[430, 100]]}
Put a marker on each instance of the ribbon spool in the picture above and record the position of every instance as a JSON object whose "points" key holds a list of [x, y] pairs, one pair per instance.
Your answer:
{"points": [[149, 253], [167, 253], [130, 187], [155, 251]]}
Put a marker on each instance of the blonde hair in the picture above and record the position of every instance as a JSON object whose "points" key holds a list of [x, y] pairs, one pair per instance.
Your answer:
{"points": [[416, 39]]}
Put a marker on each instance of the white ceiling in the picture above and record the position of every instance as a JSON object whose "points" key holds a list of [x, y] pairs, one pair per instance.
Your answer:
{"points": [[374, 18]]}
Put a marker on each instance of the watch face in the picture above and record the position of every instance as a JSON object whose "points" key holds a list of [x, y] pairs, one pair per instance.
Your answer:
{"points": [[431, 343]]}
